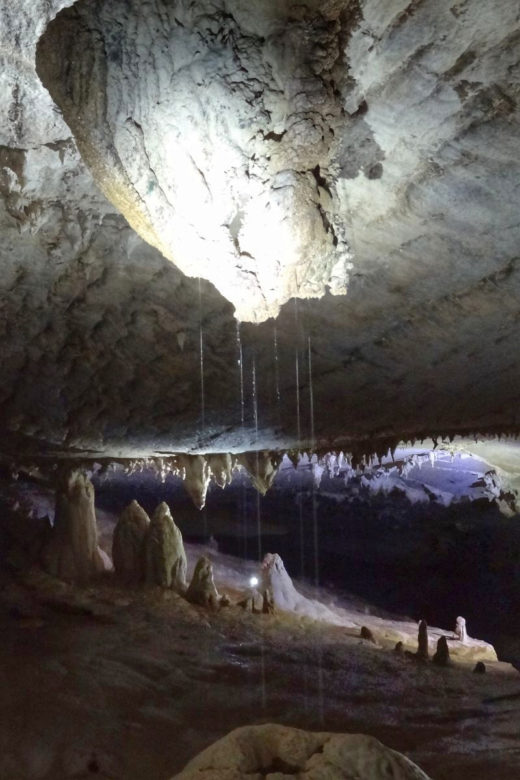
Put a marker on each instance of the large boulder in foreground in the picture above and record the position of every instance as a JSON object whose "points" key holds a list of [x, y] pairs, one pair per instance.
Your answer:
{"points": [[73, 553], [129, 543], [165, 559], [271, 750]]}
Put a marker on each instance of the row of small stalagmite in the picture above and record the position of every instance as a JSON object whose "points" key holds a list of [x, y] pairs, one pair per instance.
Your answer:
{"points": [[151, 552]]}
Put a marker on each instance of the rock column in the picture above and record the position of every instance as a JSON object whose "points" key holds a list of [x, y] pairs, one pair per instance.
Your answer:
{"points": [[73, 553]]}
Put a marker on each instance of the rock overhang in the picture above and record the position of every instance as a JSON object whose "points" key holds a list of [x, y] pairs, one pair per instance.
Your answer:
{"points": [[102, 337]]}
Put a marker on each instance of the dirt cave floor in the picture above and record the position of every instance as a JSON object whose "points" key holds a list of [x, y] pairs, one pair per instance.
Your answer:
{"points": [[131, 684]]}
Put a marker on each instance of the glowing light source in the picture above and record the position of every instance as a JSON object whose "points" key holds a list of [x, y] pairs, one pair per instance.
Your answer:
{"points": [[253, 581]]}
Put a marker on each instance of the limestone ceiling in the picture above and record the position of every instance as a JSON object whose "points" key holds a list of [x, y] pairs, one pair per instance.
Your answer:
{"points": [[272, 149]]}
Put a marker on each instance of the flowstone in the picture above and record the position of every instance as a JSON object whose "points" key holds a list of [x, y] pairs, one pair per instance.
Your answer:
{"points": [[202, 589], [271, 750], [165, 559], [128, 546], [73, 553]]}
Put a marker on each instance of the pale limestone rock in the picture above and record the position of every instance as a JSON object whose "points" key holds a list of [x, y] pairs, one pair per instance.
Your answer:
{"points": [[262, 467], [73, 553], [460, 630], [196, 475], [274, 751], [243, 203], [165, 559], [221, 467], [202, 589], [128, 545], [283, 595]]}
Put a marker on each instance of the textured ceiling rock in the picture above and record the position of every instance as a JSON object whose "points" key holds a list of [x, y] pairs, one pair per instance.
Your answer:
{"points": [[101, 336], [210, 127]]}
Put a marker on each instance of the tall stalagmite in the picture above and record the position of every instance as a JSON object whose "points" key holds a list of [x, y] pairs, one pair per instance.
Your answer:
{"points": [[73, 553]]}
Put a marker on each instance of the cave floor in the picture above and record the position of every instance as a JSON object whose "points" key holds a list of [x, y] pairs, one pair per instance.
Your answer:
{"points": [[131, 684]]}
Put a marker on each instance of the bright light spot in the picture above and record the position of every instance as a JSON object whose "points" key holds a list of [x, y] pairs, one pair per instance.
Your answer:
{"points": [[253, 582]]}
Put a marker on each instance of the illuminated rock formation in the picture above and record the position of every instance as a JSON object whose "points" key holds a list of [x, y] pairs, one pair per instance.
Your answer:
{"points": [[202, 588], [73, 553], [460, 630], [128, 546], [279, 751], [165, 559]]}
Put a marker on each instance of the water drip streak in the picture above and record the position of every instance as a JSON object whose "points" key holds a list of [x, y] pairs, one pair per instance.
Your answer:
{"points": [[297, 368], [298, 422], [257, 464], [311, 395], [315, 529], [241, 372], [276, 373], [201, 347]]}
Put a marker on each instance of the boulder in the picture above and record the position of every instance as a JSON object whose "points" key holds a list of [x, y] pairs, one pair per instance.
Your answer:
{"points": [[73, 553], [128, 545], [165, 559], [271, 750]]}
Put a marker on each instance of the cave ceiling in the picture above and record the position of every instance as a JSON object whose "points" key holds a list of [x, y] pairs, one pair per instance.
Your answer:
{"points": [[342, 177]]}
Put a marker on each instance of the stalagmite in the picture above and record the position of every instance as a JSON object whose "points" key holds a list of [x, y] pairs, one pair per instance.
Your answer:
{"points": [[73, 553], [460, 629], [367, 634], [442, 655], [262, 467], [422, 651], [221, 467], [128, 546], [165, 559], [202, 588], [480, 668], [196, 475]]}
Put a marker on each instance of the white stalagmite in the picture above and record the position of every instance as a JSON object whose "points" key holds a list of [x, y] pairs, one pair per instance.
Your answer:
{"points": [[129, 542], [165, 559], [460, 629], [73, 553], [277, 581]]}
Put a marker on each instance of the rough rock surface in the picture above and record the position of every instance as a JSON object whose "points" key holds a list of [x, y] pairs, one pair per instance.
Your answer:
{"points": [[128, 545], [165, 559], [202, 588], [101, 335], [283, 595], [73, 553], [275, 751]]}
